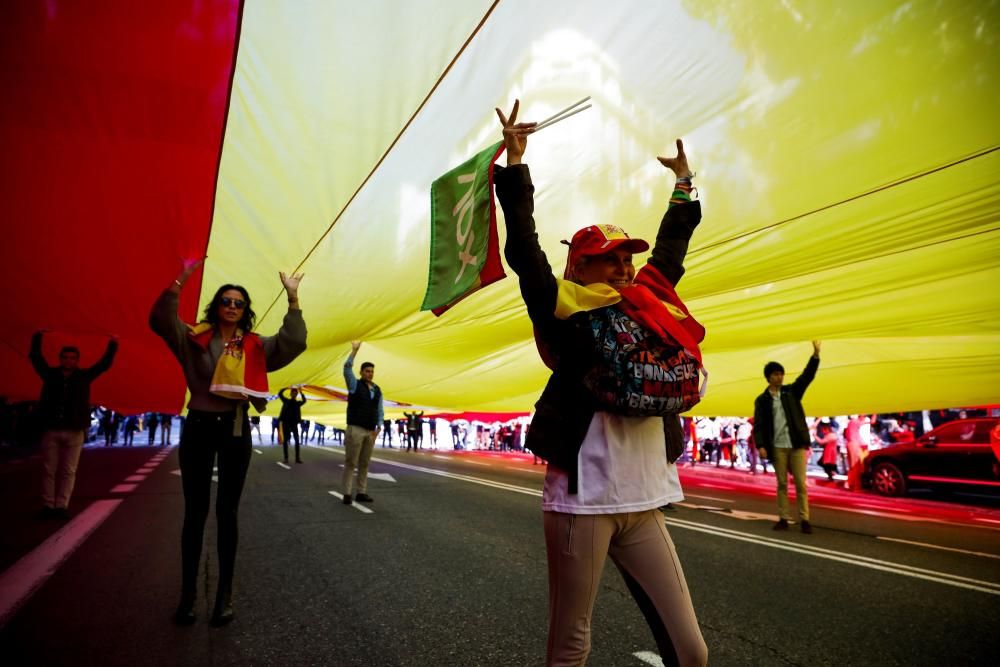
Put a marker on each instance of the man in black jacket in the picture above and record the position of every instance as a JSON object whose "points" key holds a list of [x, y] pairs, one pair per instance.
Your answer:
{"points": [[781, 434], [64, 407]]}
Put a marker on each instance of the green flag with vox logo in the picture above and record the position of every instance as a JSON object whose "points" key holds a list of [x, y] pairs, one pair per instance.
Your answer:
{"points": [[465, 248]]}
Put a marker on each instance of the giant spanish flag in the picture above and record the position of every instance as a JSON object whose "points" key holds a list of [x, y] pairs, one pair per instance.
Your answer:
{"points": [[846, 155]]}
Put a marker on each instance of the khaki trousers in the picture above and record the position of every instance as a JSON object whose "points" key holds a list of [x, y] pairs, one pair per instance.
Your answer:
{"points": [[60, 457], [794, 461], [359, 443], [639, 545]]}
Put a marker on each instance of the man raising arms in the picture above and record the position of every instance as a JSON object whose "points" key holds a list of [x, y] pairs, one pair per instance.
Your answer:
{"points": [[364, 415]]}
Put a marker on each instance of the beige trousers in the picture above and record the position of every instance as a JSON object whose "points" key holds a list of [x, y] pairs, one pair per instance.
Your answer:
{"points": [[794, 461], [639, 545], [358, 443], [60, 457]]}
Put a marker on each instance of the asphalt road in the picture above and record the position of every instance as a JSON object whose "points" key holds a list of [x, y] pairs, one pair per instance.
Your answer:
{"points": [[448, 568]]}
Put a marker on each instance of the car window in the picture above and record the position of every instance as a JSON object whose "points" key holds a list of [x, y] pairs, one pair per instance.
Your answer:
{"points": [[948, 431], [972, 432], [983, 429]]}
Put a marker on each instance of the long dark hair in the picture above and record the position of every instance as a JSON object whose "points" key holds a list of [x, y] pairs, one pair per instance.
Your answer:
{"points": [[212, 309]]}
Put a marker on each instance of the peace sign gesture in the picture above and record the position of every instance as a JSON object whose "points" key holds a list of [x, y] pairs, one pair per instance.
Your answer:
{"points": [[515, 135]]}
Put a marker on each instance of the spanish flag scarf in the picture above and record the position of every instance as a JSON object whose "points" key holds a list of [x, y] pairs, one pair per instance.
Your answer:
{"points": [[241, 372], [650, 300]]}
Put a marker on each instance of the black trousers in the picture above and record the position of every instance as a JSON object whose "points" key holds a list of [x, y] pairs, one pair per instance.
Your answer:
{"points": [[208, 435], [290, 429]]}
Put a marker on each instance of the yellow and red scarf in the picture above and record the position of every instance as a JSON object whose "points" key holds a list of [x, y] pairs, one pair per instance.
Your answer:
{"points": [[650, 300], [241, 371]]}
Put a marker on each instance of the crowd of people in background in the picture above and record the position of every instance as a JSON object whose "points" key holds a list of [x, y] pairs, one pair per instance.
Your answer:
{"points": [[839, 443], [155, 428], [720, 441], [19, 426]]}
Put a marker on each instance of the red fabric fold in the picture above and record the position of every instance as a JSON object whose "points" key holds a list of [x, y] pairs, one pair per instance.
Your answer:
{"points": [[643, 302]]}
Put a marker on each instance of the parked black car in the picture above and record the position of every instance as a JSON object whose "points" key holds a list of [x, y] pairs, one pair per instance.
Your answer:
{"points": [[954, 456]]}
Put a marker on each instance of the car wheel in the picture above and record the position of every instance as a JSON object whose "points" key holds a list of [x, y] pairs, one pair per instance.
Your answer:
{"points": [[888, 480]]}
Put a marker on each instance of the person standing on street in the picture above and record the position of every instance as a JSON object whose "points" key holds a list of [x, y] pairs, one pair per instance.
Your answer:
{"points": [[64, 409], [225, 364], [782, 436], [291, 415], [608, 471], [364, 415], [152, 426], [166, 425]]}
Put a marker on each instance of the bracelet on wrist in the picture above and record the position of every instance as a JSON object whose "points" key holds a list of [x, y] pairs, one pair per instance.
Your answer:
{"points": [[178, 283]]}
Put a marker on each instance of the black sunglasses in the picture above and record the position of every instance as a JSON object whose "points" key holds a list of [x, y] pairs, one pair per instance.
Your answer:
{"points": [[227, 301]]}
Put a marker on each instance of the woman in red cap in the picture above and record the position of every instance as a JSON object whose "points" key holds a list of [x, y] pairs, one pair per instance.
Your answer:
{"points": [[625, 362]]}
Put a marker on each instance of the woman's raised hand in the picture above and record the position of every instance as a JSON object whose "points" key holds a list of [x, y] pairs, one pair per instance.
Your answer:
{"points": [[515, 135], [291, 283], [679, 164], [190, 266]]}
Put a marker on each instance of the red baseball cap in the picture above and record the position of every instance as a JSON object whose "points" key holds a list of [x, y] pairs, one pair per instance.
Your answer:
{"points": [[599, 239]]}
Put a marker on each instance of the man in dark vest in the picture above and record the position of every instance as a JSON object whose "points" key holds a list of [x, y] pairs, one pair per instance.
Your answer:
{"points": [[364, 417], [781, 433]]}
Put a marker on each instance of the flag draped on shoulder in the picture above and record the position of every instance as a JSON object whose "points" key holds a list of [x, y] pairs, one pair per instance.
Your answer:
{"points": [[465, 247]]}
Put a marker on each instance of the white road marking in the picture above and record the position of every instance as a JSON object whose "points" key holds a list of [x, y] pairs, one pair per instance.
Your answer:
{"points": [[851, 559], [358, 506], [649, 658], [540, 472], [215, 478], [936, 546], [257, 451], [733, 513], [135, 478], [286, 467], [27, 575], [718, 500], [708, 508], [438, 456], [894, 514], [381, 476], [466, 478], [123, 488]]}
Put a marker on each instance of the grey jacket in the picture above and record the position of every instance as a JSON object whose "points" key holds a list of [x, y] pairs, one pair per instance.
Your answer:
{"points": [[199, 364]]}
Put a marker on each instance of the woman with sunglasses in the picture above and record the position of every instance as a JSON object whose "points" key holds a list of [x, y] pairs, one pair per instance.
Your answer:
{"points": [[225, 365]]}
